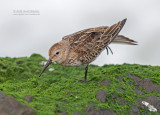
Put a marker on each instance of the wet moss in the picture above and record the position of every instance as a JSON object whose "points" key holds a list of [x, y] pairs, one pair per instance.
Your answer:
{"points": [[58, 91]]}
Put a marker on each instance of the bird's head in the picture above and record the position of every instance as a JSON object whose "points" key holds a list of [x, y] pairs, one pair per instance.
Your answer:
{"points": [[57, 53]]}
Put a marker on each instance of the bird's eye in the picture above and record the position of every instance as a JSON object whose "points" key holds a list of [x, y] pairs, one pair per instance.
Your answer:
{"points": [[57, 53]]}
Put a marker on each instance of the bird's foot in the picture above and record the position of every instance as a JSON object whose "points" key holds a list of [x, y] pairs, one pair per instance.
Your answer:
{"points": [[81, 80]]}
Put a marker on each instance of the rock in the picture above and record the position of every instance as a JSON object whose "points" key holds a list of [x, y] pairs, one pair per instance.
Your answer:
{"points": [[107, 112], [146, 84], [2, 95], [120, 89], [114, 96], [120, 79], [134, 110], [106, 82], [152, 100], [9, 106], [135, 78], [121, 100], [138, 92], [28, 98], [101, 95], [90, 111]]}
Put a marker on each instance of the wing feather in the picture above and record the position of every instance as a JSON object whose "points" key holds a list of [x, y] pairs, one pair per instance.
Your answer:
{"points": [[89, 43]]}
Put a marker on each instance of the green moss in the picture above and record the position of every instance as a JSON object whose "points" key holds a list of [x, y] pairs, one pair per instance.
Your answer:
{"points": [[59, 90]]}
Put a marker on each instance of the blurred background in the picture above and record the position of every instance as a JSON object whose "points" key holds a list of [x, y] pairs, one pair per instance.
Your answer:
{"points": [[32, 26]]}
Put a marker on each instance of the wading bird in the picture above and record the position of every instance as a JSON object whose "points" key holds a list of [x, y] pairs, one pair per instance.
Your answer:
{"points": [[82, 47]]}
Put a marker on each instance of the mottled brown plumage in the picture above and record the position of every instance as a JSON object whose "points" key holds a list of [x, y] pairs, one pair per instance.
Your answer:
{"points": [[81, 48]]}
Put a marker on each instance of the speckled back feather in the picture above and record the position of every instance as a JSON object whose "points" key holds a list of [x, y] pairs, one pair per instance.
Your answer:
{"points": [[89, 43]]}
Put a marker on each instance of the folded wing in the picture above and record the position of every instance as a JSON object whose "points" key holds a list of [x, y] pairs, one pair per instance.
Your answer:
{"points": [[89, 43]]}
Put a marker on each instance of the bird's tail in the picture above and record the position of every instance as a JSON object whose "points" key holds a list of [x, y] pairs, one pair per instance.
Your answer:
{"points": [[111, 32], [120, 39]]}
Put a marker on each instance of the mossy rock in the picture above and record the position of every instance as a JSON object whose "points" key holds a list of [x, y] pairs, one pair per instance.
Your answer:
{"points": [[58, 91]]}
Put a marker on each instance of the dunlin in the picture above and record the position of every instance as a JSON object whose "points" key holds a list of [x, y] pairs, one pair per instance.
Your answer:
{"points": [[82, 47]]}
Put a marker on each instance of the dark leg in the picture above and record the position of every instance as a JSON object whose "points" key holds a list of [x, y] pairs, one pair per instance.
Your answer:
{"points": [[85, 77], [108, 50], [86, 70]]}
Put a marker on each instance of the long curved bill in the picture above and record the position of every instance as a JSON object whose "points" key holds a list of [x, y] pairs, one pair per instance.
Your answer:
{"points": [[45, 66]]}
